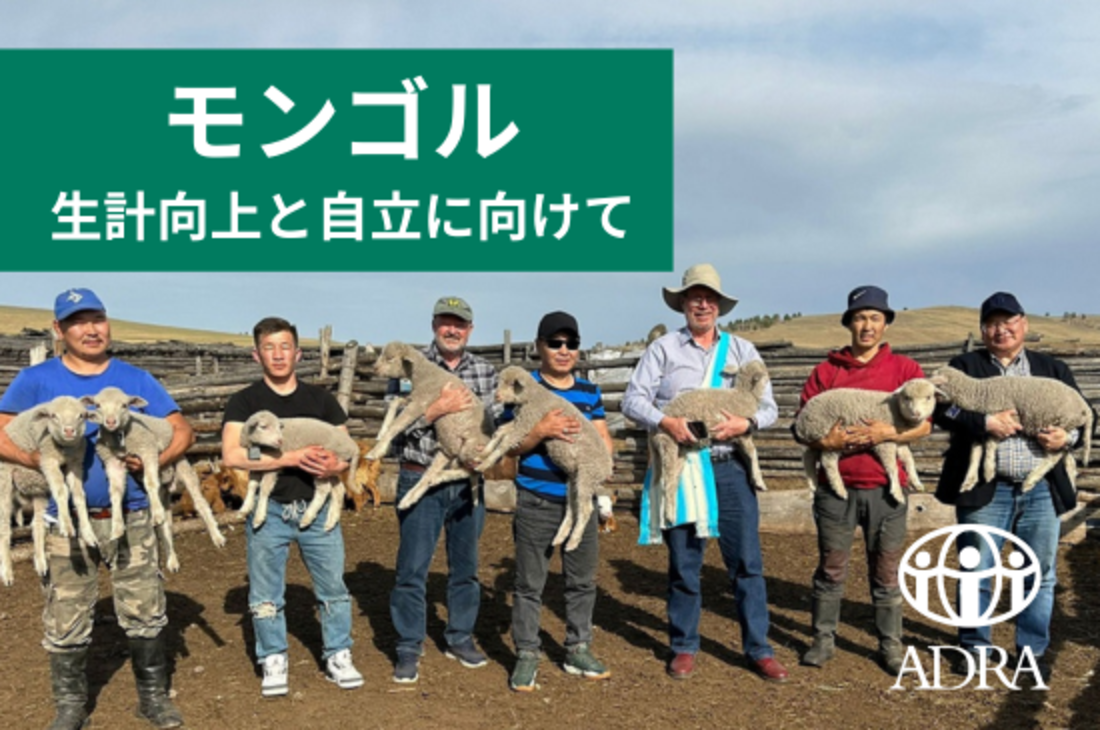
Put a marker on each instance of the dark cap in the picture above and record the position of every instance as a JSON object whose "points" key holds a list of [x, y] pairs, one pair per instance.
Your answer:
{"points": [[867, 297], [1002, 301], [71, 301], [454, 305], [556, 322]]}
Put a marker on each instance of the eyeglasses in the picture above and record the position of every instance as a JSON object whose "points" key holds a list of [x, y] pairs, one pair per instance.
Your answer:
{"points": [[1005, 326], [572, 343], [709, 300]]}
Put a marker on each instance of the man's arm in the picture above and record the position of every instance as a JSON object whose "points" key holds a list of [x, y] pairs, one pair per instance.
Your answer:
{"points": [[10, 452], [183, 437], [235, 456]]}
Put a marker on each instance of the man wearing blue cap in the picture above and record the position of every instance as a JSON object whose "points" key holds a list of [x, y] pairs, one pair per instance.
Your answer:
{"points": [[84, 369], [867, 363], [1033, 515]]}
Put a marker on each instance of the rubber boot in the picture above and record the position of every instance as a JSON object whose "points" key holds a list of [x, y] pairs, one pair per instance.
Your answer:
{"points": [[825, 619], [891, 652], [70, 688], [151, 674]]}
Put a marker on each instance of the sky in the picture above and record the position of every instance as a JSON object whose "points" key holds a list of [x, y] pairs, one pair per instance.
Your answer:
{"points": [[941, 150]]}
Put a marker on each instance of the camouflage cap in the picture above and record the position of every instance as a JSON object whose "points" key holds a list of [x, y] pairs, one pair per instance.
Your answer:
{"points": [[454, 305]]}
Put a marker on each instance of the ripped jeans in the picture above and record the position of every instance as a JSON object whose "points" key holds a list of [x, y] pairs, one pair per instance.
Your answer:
{"points": [[323, 554]]}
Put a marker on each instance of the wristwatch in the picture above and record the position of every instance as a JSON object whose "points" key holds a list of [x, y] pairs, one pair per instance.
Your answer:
{"points": [[752, 425]]}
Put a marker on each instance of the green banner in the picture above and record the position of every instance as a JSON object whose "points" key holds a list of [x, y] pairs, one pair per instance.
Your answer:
{"points": [[334, 160]]}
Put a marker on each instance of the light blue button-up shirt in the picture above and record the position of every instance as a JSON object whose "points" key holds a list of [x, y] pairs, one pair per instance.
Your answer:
{"points": [[674, 364]]}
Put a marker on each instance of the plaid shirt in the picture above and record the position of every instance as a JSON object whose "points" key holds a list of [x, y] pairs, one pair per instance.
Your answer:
{"points": [[1018, 455], [419, 443]]}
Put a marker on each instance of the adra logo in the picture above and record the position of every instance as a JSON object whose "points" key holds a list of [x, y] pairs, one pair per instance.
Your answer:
{"points": [[925, 576]]}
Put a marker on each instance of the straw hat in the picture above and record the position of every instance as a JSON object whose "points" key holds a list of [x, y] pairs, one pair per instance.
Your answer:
{"points": [[700, 275]]}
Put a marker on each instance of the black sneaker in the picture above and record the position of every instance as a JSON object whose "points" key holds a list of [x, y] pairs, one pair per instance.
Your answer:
{"points": [[467, 654], [407, 669], [1027, 679]]}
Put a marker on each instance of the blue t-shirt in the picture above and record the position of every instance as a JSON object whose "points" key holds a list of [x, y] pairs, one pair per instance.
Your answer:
{"points": [[41, 383], [537, 473]]}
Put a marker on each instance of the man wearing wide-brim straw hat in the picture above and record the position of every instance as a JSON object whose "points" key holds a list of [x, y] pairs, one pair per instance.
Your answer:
{"points": [[714, 498]]}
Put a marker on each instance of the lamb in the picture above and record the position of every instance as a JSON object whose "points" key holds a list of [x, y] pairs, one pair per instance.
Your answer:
{"points": [[1039, 403], [56, 431], [585, 461], [123, 432], [462, 436], [707, 405], [267, 431], [905, 408]]}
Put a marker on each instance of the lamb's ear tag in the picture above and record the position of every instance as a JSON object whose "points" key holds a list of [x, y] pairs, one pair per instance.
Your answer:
{"points": [[405, 387]]}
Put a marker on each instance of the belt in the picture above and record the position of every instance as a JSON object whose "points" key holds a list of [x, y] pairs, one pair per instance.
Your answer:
{"points": [[413, 466], [726, 456], [105, 513]]}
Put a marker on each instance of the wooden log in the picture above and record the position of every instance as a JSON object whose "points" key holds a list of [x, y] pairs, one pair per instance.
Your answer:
{"points": [[326, 346], [347, 374]]}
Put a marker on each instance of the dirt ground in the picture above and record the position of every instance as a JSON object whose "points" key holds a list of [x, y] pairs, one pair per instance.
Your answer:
{"points": [[216, 684]]}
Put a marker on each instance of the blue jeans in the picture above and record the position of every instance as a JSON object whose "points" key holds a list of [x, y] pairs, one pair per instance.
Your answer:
{"points": [[449, 505], [323, 554], [739, 541], [1030, 517]]}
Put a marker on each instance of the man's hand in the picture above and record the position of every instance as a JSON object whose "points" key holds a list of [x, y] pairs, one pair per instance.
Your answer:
{"points": [[730, 428], [133, 464], [678, 429], [557, 425], [872, 433], [1052, 438], [452, 399], [320, 462], [1004, 424]]}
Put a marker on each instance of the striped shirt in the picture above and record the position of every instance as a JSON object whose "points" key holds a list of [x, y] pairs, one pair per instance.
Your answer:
{"points": [[1018, 455], [537, 473], [419, 442]]}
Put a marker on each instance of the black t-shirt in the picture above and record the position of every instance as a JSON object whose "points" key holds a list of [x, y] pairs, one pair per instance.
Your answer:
{"points": [[307, 401]]}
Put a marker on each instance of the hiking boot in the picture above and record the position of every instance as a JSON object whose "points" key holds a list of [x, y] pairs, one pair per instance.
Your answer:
{"points": [[525, 671], [407, 669], [826, 616], [70, 688], [891, 652], [579, 661], [467, 654], [275, 676], [150, 665], [339, 669]]}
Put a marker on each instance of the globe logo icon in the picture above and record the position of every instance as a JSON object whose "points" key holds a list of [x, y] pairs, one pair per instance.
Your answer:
{"points": [[930, 575]]}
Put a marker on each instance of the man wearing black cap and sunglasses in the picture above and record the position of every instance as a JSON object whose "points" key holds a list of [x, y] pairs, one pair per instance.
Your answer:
{"points": [[540, 508], [1032, 516], [868, 364]]}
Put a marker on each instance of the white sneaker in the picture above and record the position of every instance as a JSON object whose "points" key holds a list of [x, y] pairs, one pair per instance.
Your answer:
{"points": [[275, 676], [340, 670]]}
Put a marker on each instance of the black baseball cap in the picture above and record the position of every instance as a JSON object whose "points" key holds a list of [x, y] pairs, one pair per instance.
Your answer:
{"points": [[1002, 301], [556, 322]]}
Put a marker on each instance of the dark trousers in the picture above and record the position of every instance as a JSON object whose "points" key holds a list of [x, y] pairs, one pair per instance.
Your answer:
{"points": [[537, 521]]}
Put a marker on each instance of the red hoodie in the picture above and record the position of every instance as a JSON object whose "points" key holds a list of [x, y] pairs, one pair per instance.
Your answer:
{"points": [[886, 372]]}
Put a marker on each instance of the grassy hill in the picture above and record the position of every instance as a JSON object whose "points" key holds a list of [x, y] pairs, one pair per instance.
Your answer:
{"points": [[926, 326], [14, 319]]}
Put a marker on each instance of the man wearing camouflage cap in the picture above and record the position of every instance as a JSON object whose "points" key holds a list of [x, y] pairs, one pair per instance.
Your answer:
{"points": [[449, 506]]}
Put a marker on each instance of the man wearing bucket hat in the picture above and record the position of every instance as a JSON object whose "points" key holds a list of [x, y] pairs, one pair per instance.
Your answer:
{"points": [[867, 363], [1033, 516], [449, 507], [721, 501], [80, 321]]}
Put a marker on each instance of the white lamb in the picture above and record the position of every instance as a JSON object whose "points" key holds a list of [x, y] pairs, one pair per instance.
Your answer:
{"points": [[905, 408], [122, 433], [1039, 403], [462, 436], [707, 405], [267, 431], [585, 461], [56, 431]]}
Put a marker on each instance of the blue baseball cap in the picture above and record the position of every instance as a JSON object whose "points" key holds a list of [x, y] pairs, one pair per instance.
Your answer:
{"points": [[867, 297], [71, 301], [1001, 301]]}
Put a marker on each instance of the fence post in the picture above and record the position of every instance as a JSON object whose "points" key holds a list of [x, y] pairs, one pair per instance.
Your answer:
{"points": [[38, 354], [326, 348], [347, 374], [507, 347]]}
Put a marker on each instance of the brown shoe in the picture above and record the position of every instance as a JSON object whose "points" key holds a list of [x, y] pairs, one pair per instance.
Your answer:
{"points": [[770, 669], [681, 666]]}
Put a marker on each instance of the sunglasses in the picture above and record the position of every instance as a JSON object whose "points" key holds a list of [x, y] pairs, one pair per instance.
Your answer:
{"points": [[557, 343]]}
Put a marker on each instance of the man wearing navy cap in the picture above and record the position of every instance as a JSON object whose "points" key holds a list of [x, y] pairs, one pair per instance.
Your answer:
{"points": [[867, 363], [84, 369], [1032, 515]]}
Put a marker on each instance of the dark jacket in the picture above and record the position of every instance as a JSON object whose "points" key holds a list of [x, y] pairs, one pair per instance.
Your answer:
{"points": [[966, 427]]}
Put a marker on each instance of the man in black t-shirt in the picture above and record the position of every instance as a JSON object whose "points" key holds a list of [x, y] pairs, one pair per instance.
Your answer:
{"points": [[322, 551]]}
